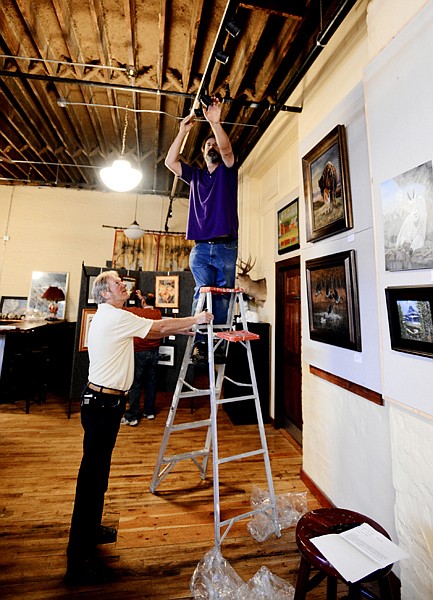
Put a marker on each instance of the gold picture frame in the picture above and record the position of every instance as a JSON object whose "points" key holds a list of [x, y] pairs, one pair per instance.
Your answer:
{"points": [[167, 291], [86, 318], [327, 187]]}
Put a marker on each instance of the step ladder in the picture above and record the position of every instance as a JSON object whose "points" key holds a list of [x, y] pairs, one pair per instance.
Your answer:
{"points": [[217, 335]]}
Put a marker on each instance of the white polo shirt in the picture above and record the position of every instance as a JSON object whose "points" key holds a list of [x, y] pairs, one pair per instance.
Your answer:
{"points": [[111, 347]]}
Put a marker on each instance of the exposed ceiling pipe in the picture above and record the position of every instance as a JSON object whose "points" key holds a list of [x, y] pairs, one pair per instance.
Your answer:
{"points": [[322, 39], [100, 84]]}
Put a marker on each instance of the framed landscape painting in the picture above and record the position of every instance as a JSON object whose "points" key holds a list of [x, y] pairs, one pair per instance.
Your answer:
{"points": [[327, 187], [410, 316], [288, 227], [333, 307]]}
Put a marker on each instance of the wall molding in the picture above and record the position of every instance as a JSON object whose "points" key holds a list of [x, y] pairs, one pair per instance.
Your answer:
{"points": [[350, 386]]}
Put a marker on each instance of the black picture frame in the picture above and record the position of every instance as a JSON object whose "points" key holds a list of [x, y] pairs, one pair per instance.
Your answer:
{"points": [[333, 305], [13, 305], [288, 227], [327, 186], [410, 317]]}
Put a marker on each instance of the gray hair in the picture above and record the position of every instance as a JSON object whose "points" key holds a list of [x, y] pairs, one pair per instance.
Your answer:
{"points": [[101, 285]]}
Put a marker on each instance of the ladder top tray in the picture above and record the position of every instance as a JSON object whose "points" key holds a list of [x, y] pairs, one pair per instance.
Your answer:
{"points": [[237, 336], [217, 290]]}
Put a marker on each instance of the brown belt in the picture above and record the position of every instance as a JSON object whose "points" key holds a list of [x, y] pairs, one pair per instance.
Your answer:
{"points": [[105, 390]]}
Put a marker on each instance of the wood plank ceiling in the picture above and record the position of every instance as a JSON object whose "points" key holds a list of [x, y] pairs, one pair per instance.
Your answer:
{"points": [[80, 79]]}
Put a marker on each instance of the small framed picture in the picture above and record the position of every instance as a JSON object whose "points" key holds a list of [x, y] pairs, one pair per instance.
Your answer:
{"points": [[167, 291], [86, 318], [327, 187], [288, 227], [166, 356], [90, 282], [13, 307], [410, 316], [131, 285], [333, 306]]}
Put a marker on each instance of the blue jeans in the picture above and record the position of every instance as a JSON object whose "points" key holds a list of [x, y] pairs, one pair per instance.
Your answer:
{"points": [[145, 368], [214, 265]]}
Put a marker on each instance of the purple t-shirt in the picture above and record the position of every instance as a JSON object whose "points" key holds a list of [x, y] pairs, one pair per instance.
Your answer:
{"points": [[213, 202]]}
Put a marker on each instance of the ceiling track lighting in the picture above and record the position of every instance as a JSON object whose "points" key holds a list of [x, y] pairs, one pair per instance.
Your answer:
{"points": [[121, 177], [232, 28], [206, 100], [221, 57]]}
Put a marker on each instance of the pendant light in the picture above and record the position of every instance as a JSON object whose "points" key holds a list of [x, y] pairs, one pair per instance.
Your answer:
{"points": [[134, 231], [121, 177]]}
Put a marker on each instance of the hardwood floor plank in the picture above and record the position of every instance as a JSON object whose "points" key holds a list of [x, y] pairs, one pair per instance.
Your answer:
{"points": [[161, 536]]}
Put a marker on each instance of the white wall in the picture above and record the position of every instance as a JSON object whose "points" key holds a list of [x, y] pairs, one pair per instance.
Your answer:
{"points": [[52, 229], [370, 458]]}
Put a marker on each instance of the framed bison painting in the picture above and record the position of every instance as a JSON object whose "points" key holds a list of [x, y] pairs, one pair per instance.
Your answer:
{"points": [[327, 187]]}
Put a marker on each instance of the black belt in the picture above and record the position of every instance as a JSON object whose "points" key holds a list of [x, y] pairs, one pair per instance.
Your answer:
{"points": [[105, 390], [216, 240]]}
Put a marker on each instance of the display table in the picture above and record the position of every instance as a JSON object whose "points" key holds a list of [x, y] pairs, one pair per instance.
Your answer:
{"points": [[34, 354]]}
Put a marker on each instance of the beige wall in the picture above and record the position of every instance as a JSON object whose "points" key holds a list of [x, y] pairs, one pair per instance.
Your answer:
{"points": [[52, 229]]}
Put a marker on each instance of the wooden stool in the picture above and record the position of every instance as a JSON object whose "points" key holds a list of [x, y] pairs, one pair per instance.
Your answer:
{"points": [[321, 522]]}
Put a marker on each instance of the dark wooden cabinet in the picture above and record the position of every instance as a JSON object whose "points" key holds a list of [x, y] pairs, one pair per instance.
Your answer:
{"points": [[237, 368]]}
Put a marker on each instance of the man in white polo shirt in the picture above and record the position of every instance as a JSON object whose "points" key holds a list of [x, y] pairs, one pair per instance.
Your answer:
{"points": [[111, 373]]}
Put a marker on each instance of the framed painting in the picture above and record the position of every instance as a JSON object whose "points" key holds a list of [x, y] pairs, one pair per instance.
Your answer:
{"points": [[166, 356], [288, 227], [410, 317], [86, 318], [333, 306], [13, 307], [90, 282], [131, 286], [327, 187], [407, 212], [40, 282], [167, 291]]}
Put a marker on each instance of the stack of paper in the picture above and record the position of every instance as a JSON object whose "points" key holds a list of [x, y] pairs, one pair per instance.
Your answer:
{"points": [[358, 552]]}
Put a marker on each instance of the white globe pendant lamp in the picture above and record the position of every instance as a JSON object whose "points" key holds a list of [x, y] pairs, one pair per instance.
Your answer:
{"points": [[134, 231], [121, 177]]}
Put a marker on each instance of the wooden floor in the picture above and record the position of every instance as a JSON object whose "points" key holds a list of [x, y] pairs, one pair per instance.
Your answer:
{"points": [[162, 536]]}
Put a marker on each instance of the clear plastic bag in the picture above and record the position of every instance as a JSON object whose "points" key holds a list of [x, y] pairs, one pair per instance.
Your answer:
{"points": [[290, 508], [266, 586], [215, 579]]}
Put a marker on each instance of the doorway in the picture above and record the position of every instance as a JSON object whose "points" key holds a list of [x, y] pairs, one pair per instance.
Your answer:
{"points": [[288, 364]]}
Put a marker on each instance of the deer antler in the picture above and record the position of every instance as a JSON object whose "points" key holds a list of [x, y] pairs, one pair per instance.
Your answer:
{"points": [[245, 267]]}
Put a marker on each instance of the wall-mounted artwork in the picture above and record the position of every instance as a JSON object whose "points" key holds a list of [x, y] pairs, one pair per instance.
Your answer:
{"points": [[333, 307], [410, 316], [167, 291], [407, 207], [41, 281], [288, 227], [327, 187]]}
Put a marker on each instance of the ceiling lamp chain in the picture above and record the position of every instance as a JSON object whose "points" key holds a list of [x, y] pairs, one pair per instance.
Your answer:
{"points": [[121, 177]]}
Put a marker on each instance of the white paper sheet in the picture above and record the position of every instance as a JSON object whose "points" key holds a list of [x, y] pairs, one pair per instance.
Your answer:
{"points": [[359, 551]]}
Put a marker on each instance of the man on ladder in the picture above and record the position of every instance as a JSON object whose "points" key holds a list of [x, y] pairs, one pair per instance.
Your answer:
{"points": [[213, 224], [213, 213]]}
